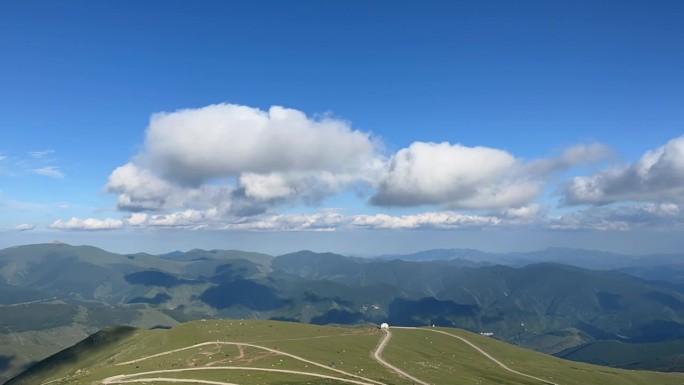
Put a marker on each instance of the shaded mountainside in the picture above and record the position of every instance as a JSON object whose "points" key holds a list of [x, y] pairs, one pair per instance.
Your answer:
{"points": [[551, 307], [276, 353], [661, 356], [30, 332], [91, 351]]}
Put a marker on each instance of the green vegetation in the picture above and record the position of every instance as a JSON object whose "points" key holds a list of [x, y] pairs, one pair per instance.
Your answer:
{"points": [[53, 295], [31, 332], [278, 353]]}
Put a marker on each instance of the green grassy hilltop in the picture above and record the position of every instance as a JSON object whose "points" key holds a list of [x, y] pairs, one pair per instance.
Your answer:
{"points": [[271, 352]]}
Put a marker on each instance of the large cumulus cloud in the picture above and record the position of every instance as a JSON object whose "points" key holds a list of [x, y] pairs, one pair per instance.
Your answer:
{"points": [[658, 176], [195, 145], [235, 155], [460, 177]]}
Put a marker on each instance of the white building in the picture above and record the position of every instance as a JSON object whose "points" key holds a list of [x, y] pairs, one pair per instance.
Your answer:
{"points": [[384, 326]]}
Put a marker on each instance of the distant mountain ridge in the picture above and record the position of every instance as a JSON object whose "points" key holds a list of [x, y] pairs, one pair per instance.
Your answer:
{"points": [[590, 259]]}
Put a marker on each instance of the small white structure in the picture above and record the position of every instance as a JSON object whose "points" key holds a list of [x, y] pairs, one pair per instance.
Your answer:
{"points": [[384, 326]]}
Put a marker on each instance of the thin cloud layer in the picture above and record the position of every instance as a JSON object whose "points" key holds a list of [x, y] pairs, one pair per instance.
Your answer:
{"points": [[579, 155], [87, 224], [321, 221], [24, 227], [605, 218], [657, 176], [622, 217], [49, 171], [31, 163], [429, 220], [41, 154], [290, 222]]}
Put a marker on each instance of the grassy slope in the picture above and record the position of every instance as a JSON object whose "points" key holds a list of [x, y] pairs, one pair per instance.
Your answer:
{"points": [[563, 371], [46, 328], [435, 358]]}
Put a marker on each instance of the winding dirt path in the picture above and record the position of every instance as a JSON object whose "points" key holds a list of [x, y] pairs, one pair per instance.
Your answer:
{"points": [[167, 379], [253, 346], [377, 355], [130, 378], [31, 302], [357, 380], [484, 353]]}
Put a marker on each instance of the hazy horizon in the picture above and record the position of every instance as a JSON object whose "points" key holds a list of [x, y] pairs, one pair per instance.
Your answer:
{"points": [[364, 244]]}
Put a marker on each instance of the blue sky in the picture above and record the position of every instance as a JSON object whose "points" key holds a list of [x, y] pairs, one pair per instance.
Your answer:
{"points": [[358, 127]]}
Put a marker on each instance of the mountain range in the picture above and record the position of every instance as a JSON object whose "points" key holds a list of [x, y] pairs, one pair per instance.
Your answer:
{"points": [[578, 304]]}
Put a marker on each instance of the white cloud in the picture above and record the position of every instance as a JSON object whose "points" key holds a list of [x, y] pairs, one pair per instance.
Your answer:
{"points": [[523, 212], [24, 227], [622, 217], [266, 187], [429, 220], [136, 219], [41, 154], [273, 156], [140, 189], [187, 219], [587, 221], [50, 171], [309, 187], [241, 161], [195, 145], [213, 219], [328, 221], [657, 176], [455, 176], [578, 155], [87, 224], [321, 221]]}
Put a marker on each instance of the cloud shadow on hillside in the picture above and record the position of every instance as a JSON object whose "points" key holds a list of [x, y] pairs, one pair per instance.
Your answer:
{"points": [[249, 294], [156, 278], [5, 361]]}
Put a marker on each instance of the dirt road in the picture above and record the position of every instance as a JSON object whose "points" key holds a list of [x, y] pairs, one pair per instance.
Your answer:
{"points": [[484, 353], [377, 355], [356, 379], [257, 347], [130, 378]]}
